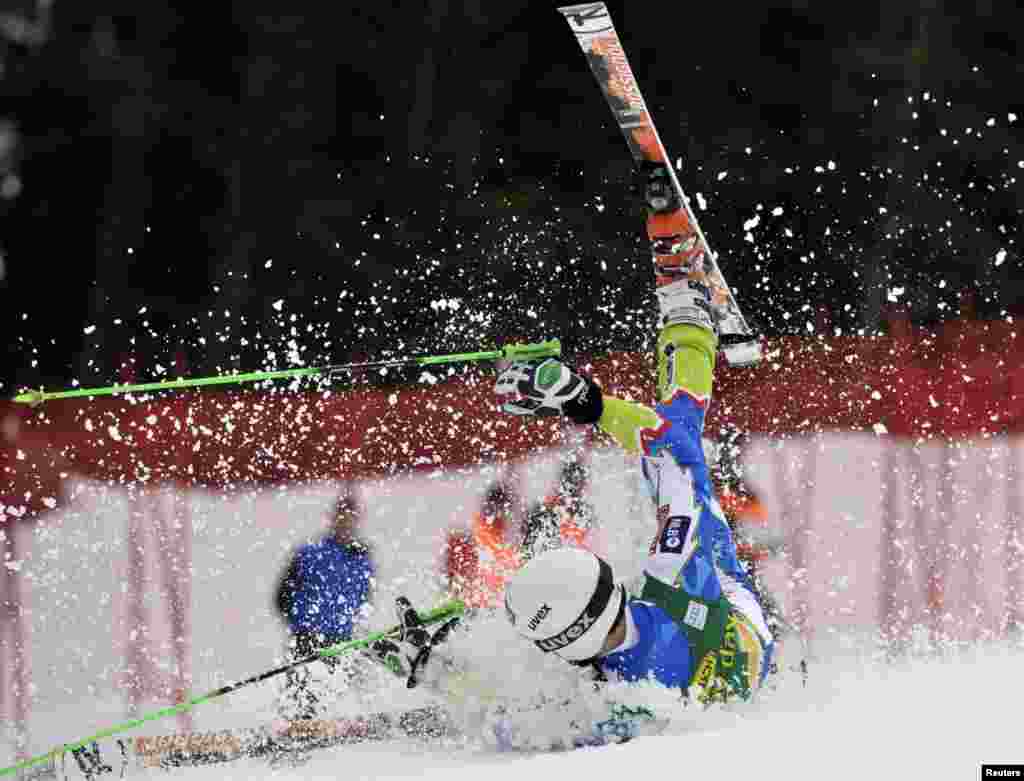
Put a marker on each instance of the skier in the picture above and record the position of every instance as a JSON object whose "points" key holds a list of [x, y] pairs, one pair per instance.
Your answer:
{"points": [[694, 621], [481, 558], [323, 591], [565, 517]]}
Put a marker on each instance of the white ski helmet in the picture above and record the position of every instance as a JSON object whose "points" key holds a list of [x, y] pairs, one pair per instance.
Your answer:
{"points": [[565, 601]]}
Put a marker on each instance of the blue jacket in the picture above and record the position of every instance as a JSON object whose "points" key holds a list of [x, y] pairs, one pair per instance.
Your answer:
{"points": [[324, 588], [662, 651]]}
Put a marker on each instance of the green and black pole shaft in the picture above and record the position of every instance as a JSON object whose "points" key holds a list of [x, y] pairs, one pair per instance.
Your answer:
{"points": [[512, 352], [438, 614]]}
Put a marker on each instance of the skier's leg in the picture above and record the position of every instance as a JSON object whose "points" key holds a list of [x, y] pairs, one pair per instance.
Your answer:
{"points": [[687, 346], [686, 363], [687, 341], [297, 700]]}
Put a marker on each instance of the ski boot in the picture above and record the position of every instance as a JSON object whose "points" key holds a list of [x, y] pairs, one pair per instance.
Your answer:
{"points": [[675, 245]]}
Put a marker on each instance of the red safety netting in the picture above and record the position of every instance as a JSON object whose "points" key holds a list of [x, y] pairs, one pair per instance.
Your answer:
{"points": [[967, 379]]}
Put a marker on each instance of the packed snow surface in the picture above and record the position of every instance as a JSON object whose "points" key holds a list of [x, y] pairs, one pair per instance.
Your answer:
{"points": [[926, 715], [857, 717]]}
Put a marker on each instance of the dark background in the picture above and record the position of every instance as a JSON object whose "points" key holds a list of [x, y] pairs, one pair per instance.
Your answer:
{"points": [[250, 184]]}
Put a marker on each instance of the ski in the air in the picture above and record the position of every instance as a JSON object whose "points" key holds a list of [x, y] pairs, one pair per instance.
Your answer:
{"points": [[677, 242]]}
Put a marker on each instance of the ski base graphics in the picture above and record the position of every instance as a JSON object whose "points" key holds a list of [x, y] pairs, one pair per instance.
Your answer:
{"points": [[678, 245], [280, 743]]}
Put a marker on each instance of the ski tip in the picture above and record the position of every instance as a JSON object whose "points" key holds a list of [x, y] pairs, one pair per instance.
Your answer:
{"points": [[587, 18]]}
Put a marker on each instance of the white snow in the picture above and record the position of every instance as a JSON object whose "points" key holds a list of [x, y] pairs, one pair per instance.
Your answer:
{"points": [[856, 719]]}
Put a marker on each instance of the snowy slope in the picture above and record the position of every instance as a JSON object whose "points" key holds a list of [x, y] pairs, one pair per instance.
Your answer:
{"points": [[935, 719], [940, 717]]}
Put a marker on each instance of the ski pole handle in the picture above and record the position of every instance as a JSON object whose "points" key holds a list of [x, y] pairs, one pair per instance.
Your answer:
{"points": [[528, 352]]}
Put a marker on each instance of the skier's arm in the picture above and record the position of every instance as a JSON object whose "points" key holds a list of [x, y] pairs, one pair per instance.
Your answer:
{"points": [[685, 371], [630, 424], [686, 359]]}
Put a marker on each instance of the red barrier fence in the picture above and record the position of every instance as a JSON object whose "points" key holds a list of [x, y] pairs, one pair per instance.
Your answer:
{"points": [[968, 379]]}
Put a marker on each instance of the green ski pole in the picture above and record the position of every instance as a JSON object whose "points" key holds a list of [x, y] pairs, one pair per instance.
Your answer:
{"points": [[438, 614], [513, 352]]}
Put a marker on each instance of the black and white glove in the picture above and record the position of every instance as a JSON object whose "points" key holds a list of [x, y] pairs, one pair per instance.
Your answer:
{"points": [[407, 655], [549, 387]]}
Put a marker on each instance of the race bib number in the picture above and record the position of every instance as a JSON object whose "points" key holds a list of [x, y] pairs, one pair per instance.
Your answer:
{"points": [[674, 534]]}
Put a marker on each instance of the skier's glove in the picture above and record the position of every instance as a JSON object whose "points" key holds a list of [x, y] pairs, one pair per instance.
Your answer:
{"points": [[549, 387], [407, 655]]}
